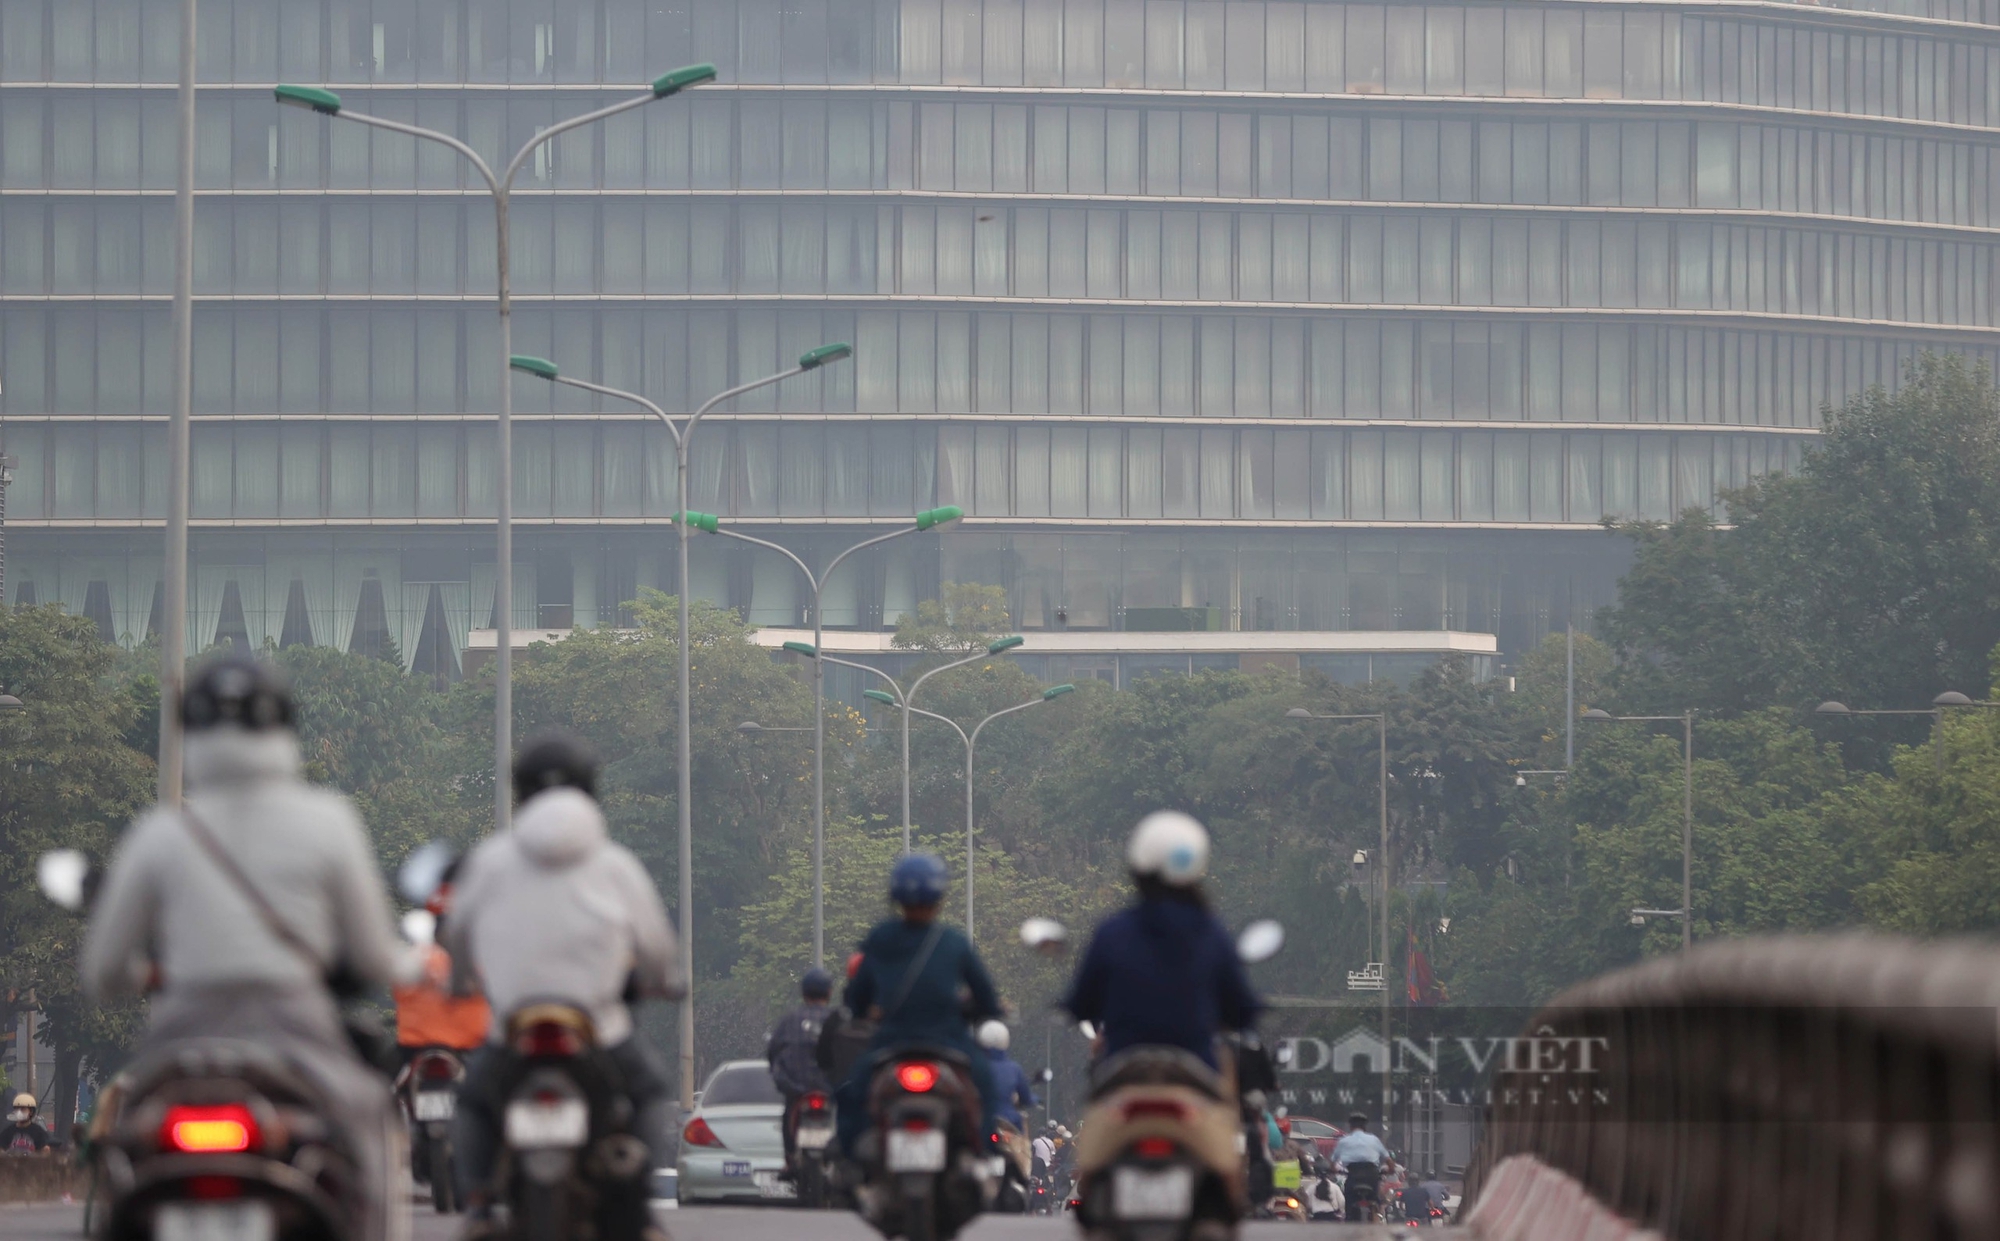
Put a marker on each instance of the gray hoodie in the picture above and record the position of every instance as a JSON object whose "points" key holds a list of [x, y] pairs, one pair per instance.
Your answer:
{"points": [[555, 910], [166, 903]]}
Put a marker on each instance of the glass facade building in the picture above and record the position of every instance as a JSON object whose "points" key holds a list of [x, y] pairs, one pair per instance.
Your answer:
{"points": [[1297, 315]]}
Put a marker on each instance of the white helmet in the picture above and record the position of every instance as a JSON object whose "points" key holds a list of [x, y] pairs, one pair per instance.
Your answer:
{"points": [[1170, 846], [993, 1034]]}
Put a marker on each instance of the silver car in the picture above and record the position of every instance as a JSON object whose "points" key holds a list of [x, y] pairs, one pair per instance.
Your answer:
{"points": [[733, 1146]]}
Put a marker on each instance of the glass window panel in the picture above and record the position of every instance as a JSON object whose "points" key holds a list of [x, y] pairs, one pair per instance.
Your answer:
{"points": [[1206, 45], [394, 467], [1069, 471], [1329, 475], [347, 469], [801, 454], [1545, 481], [1364, 475], [1254, 480], [1066, 367], [756, 460], [1218, 468], [1180, 473], [1141, 393], [993, 453], [890, 465], [1042, 47], [954, 363], [437, 471], [1031, 364], [1031, 471], [1401, 473], [1585, 497], [1621, 476], [1398, 369], [1083, 43], [1177, 365], [1107, 472], [1655, 478]]}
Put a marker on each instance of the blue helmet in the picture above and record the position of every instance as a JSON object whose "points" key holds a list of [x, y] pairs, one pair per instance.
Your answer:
{"points": [[816, 985], [917, 880]]}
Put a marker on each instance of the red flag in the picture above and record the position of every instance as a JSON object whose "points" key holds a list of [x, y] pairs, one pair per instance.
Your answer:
{"points": [[1424, 988]]}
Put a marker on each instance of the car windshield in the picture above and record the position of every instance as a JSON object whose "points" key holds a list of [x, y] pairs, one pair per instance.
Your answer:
{"points": [[750, 1083], [1313, 1129]]}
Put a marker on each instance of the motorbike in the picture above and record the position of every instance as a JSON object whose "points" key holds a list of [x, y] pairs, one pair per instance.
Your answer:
{"points": [[1012, 1196], [570, 1162], [1286, 1207], [812, 1127], [924, 1173], [1160, 1155], [428, 1090], [211, 1137]]}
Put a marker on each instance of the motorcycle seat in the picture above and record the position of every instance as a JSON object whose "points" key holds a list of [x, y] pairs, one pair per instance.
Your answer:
{"points": [[1155, 1066]]}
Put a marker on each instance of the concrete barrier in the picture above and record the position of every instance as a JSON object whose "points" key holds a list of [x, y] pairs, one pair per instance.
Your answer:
{"points": [[40, 1178]]}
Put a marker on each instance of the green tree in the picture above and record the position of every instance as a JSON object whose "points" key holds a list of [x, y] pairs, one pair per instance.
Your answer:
{"points": [[68, 779], [1868, 576]]}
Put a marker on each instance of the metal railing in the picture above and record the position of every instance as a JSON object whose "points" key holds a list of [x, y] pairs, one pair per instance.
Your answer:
{"points": [[1808, 1087]]}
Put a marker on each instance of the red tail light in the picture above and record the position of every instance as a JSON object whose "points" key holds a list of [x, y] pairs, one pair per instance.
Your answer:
{"points": [[548, 1039], [1156, 1109], [436, 1068], [916, 1124], [697, 1133], [1154, 1148], [208, 1130], [916, 1076], [815, 1101]]}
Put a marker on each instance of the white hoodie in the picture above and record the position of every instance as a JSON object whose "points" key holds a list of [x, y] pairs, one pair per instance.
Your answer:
{"points": [[554, 910]]}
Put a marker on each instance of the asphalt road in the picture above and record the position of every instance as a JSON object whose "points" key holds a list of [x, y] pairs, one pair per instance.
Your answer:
{"points": [[65, 1223]]}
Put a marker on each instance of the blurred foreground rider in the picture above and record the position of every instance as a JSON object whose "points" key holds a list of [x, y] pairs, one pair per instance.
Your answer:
{"points": [[246, 910], [912, 967], [792, 1050], [554, 911]]}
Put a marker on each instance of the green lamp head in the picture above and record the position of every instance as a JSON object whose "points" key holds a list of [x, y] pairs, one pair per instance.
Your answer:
{"points": [[1057, 691], [813, 359], [806, 649], [680, 79], [540, 368], [324, 102], [700, 521], [1000, 646], [932, 517], [880, 696]]}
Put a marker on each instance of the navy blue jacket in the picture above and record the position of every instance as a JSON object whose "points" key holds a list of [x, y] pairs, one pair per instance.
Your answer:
{"points": [[1163, 973], [1011, 1092], [930, 1012]]}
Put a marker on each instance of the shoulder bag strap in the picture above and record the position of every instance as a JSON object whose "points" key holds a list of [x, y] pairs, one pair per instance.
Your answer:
{"points": [[261, 906]]}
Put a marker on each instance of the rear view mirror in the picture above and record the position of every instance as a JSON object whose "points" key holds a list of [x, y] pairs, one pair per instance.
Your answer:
{"points": [[1260, 941], [1044, 935], [422, 873], [1089, 1029], [1046, 1076], [64, 877]]}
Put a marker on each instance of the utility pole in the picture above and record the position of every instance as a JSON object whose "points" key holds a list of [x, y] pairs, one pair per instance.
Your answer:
{"points": [[6, 477]]}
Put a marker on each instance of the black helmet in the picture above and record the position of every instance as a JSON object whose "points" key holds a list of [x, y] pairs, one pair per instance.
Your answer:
{"points": [[553, 761], [235, 689], [1358, 1120], [816, 985]]}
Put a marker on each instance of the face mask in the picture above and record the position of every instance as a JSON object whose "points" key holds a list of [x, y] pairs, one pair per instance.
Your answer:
{"points": [[19, 1115]]}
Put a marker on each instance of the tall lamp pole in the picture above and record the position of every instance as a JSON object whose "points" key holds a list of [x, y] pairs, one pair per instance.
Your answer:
{"points": [[1598, 715], [929, 519], [1381, 719], [173, 575], [683, 435], [971, 741], [501, 187], [6, 478], [999, 646]]}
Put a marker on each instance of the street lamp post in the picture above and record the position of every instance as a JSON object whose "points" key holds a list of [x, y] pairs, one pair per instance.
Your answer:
{"points": [[971, 741], [999, 646], [326, 103], [6, 478], [1598, 715], [929, 519], [542, 368], [1950, 698], [1381, 719]]}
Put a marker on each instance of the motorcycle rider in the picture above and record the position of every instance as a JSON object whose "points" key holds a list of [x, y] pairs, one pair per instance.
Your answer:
{"points": [[1163, 972], [1365, 1159], [1012, 1095], [921, 1007], [429, 1015], [176, 914], [23, 1134], [792, 1051], [555, 911]]}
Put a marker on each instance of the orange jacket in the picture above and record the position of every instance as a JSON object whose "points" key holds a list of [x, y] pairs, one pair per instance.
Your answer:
{"points": [[429, 1015]]}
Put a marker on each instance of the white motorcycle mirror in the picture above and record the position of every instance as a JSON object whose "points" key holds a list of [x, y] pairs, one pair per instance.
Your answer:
{"points": [[422, 873], [62, 875], [1260, 941], [1044, 935], [1282, 1054], [419, 926], [1089, 1029], [1046, 1076]]}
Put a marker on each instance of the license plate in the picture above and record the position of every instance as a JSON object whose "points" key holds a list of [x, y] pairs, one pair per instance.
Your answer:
{"points": [[770, 1185], [215, 1221], [1139, 1194], [434, 1104], [916, 1150], [815, 1137], [536, 1126], [736, 1167]]}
